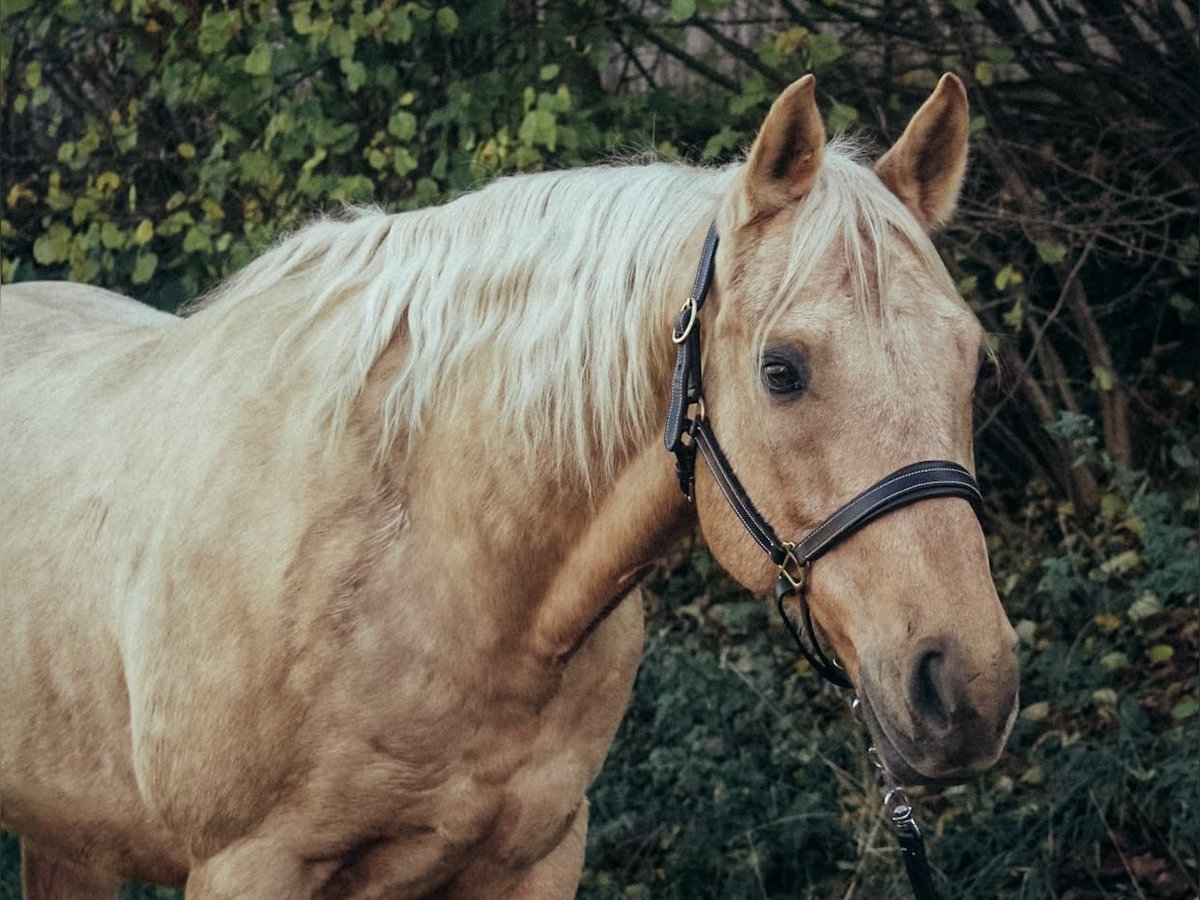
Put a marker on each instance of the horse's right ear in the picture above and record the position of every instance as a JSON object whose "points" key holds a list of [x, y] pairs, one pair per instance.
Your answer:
{"points": [[786, 154]]}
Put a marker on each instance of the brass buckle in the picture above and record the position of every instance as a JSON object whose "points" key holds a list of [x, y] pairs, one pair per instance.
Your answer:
{"points": [[799, 580], [691, 323]]}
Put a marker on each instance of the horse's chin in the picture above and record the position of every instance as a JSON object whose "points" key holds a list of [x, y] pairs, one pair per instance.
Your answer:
{"points": [[902, 758]]}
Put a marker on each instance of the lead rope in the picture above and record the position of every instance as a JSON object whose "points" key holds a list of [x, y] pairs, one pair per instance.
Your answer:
{"points": [[900, 813]]}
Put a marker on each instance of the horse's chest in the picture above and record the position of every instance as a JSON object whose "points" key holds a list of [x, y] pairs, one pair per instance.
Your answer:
{"points": [[500, 789]]}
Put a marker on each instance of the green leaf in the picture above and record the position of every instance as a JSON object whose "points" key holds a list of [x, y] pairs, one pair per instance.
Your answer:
{"points": [[403, 162], [723, 140], [355, 72], [143, 269], [548, 73], [1015, 315], [1144, 607], [978, 124], [112, 236], [1003, 277], [12, 7], [1160, 653], [258, 60], [53, 246], [33, 74], [402, 125], [302, 18], [681, 10], [1051, 252], [983, 73], [447, 20], [822, 49], [196, 241], [1114, 661], [1188, 309], [1182, 456], [1121, 563], [840, 116], [1185, 709]]}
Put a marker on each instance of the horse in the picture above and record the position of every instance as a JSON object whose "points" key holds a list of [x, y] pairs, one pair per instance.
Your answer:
{"points": [[330, 587]]}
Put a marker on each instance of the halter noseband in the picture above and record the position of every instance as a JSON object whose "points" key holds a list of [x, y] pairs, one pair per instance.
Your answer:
{"points": [[919, 481]]}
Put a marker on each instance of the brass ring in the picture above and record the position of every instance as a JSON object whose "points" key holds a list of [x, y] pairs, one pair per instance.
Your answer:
{"points": [[680, 338]]}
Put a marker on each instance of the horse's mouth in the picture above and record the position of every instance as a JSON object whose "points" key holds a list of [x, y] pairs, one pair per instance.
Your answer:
{"points": [[903, 758]]}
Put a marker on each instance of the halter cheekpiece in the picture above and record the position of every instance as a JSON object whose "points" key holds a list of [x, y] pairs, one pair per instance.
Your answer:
{"points": [[688, 429]]}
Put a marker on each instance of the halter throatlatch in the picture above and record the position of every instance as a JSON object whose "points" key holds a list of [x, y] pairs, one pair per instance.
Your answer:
{"points": [[688, 430]]}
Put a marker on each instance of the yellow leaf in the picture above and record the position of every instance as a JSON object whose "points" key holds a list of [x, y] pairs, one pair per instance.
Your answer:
{"points": [[18, 193], [143, 233], [212, 210], [1106, 621], [1160, 653], [1121, 563], [788, 41], [186, 150], [108, 181], [1035, 712]]}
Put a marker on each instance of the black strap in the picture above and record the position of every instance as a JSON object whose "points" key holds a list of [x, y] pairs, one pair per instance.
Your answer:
{"points": [[916, 864], [919, 481], [752, 520], [687, 383]]}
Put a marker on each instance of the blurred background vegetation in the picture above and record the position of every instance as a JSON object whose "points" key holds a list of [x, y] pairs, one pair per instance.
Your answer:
{"points": [[154, 146]]}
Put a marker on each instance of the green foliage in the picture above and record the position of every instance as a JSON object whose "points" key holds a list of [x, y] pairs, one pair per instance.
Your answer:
{"points": [[736, 773], [217, 127]]}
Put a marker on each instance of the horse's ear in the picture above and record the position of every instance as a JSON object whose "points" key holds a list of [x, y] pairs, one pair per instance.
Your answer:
{"points": [[925, 168], [786, 154]]}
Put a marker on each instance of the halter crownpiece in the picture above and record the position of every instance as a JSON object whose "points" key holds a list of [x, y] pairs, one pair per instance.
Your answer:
{"points": [[925, 480]]}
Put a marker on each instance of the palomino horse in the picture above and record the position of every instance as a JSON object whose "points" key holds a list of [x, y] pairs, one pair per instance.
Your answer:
{"points": [[327, 589]]}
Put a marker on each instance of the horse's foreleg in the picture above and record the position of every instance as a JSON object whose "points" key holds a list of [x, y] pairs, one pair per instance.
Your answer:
{"points": [[556, 876], [45, 876], [254, 867]]}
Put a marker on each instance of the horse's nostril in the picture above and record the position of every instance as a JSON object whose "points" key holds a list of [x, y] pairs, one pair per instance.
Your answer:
{"points": [[927, 690]]}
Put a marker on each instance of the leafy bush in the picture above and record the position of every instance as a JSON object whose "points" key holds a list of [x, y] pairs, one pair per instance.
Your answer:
{"points": [[737, 774]]}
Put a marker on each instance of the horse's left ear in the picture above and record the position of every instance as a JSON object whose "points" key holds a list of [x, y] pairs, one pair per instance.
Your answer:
{"points": [[925, 168]]}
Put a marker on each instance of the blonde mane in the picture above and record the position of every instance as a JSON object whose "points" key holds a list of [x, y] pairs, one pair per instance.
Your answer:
{"points": [[541, 298]]}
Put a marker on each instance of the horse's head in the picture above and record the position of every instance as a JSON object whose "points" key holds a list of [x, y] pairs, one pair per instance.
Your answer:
{"points": [[839, 351]]}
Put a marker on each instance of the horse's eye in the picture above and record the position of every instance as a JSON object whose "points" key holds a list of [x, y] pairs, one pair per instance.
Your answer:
{"points": [[784, 372]]}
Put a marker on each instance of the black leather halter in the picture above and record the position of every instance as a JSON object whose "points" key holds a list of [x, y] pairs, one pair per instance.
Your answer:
{"points": [[684, 435]]}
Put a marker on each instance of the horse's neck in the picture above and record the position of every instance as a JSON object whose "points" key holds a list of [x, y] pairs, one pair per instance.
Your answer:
{"points": [[555, 549]]}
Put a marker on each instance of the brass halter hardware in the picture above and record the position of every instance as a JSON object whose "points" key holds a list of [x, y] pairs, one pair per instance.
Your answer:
{"points": [[798, 581]]}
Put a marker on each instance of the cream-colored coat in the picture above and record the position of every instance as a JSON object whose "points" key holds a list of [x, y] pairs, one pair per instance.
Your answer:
{"points": [[330, 597]]}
